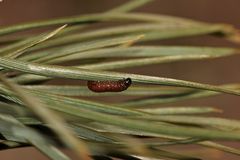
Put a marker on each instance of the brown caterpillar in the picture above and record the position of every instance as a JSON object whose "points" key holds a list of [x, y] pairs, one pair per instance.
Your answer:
{"points": [[109, 86]]}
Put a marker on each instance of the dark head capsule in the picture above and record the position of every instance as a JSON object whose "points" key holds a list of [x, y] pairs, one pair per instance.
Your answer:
{"points": [[109, 86]]}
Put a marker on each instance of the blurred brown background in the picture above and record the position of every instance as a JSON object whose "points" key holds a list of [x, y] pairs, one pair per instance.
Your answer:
{"points": [[224, 70]]}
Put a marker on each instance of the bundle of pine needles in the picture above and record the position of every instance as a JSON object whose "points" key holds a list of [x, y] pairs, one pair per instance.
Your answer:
{"points": [[35, 112]]}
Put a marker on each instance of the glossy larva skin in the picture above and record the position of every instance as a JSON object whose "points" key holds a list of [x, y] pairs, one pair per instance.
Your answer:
{"points": [[109, 86]]}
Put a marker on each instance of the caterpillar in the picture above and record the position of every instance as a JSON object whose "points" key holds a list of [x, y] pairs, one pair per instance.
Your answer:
{"points": [[109, 86]]}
